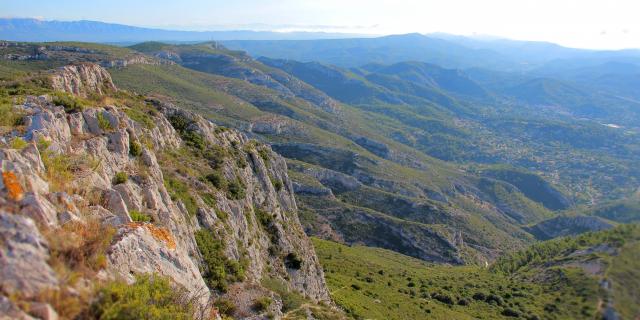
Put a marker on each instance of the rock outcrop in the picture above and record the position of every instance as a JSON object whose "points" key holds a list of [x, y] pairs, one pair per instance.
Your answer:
{"points": [[100, 165], [82, 79]]}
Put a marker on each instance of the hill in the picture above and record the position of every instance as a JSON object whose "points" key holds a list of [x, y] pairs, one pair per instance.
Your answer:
{"points": [[565, 278]]}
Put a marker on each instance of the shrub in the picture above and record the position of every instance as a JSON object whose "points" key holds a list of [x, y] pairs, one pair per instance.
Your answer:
{"points": [[150, 297], [217, 180], [103, 122], [180, 191], [262, 303], [70, 103], [356, 286], [219, 270], [293, 261], [444, 298], [225, 306], [277, 184], [510, 312], [291, 300], [264, 154], [235, 190], [479, 296], [9, 116], [464, 302], [495, 299], [135, 148], [80, 246], [120, 177], [138, 216], [18, 143]]}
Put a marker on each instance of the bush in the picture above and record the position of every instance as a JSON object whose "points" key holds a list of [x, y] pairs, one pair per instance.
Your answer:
{"points": [[293, 261], [277, 184], [356, 286], [135, 148], [444, 298], [138, 216], [180, 191], [464, 302], [291, 300], [9, 116], [150, 297], [120, 177], [494, 298], [262, 304], [510, 312], [219, 270], [217, 180], [235, 190], [18, 143], [479, 296], [103, 122], [70, 103], [225, 306]]}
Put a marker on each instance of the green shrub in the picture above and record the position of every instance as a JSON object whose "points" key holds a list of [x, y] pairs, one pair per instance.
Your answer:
{"points": [[264, 154], [277, 184], [291, 300], [180, 191], [18, 143], [135, 148], [225, 306], [262, 304], [120, 177], [218, 269], [103, 122], [138, 216], [9, 116], [150, 297], [70, 103], [235, 190], [266, 222], [217, 180]]}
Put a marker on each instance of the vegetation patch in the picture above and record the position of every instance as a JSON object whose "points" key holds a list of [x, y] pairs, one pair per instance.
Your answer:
{"points": [[150, 297], [219, 270]]}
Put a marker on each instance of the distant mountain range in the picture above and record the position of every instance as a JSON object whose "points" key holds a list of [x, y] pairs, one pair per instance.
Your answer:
{"points": [[26, 29]]}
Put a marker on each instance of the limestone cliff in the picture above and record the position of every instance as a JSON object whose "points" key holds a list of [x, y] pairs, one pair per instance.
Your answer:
{"points": [[100, 167]]}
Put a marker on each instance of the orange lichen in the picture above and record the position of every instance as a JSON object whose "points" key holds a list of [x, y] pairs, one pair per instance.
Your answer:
{"points": [[158, 233], [12, 185]]}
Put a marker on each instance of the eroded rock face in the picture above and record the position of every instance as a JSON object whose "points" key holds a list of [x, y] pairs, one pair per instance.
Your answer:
{"points": [[82, 79], [23, 257], [32, 194]]}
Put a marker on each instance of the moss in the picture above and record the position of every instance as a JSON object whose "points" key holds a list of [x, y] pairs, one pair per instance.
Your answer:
{"points": [[150, 297]]}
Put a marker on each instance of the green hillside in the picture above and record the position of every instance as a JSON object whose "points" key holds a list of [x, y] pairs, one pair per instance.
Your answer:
{"points": [[558, 279]]}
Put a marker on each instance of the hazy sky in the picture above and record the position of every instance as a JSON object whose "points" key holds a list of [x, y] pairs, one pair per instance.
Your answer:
{"points": [[578, 23]]}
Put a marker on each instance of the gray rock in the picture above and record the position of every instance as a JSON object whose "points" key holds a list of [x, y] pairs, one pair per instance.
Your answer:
{"points": [[9, 311], [23, 257]]}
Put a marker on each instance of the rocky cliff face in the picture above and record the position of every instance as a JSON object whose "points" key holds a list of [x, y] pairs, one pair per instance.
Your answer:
{"points": [[101, 168]]}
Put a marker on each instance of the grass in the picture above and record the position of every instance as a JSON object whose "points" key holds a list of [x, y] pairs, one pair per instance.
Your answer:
{"points": [[178, 190]]}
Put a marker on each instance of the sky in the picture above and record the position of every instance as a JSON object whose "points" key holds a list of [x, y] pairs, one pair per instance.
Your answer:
{"points": [[609, 24]]}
